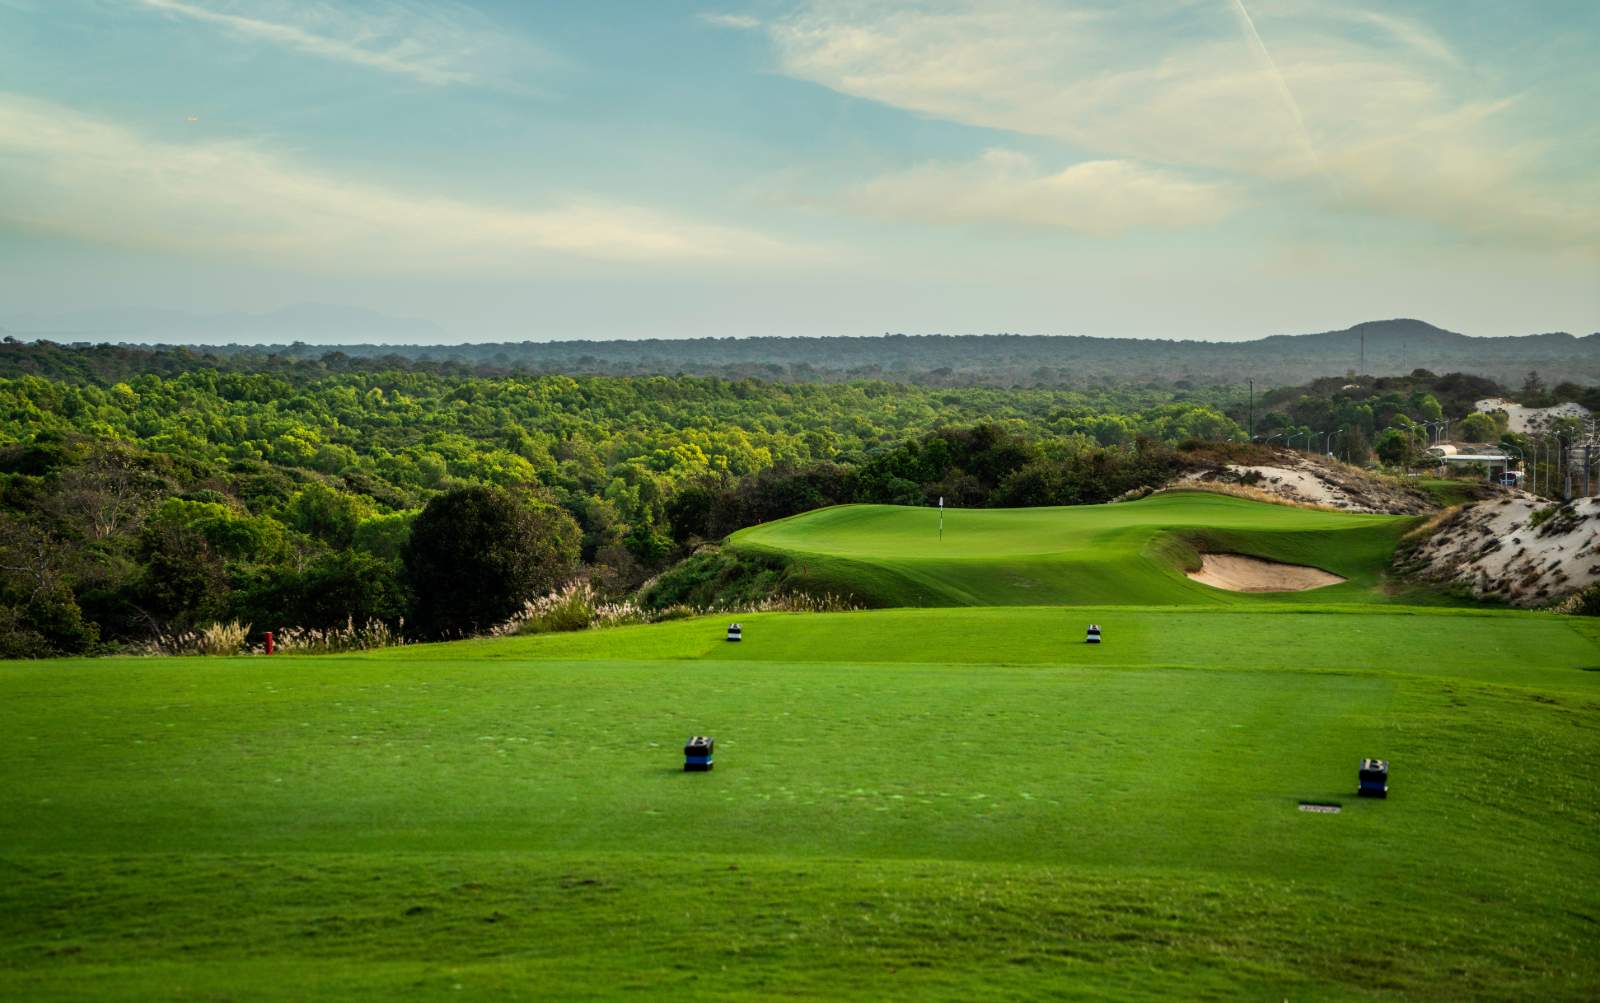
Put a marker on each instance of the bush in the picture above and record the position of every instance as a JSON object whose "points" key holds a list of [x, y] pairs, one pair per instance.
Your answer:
{"points": [[718, 578], [18, 639], [333, 590], [1585, 602]]}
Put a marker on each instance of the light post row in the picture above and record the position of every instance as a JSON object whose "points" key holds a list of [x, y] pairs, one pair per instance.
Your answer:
{"points": [[1557, 449]]}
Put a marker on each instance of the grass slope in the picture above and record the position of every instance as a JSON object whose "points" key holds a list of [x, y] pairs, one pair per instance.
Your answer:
{"points": [[1128, 553], [951, 804]]}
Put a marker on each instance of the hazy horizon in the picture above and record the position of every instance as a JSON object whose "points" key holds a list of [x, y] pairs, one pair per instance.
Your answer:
{"points": [[492, 171]]}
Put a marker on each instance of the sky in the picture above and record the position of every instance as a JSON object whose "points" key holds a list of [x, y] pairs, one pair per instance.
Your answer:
{"points": [[541, 170]]}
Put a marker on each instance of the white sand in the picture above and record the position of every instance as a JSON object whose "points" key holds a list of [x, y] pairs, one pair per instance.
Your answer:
{"points": [[1531, 419], [1491, 548], [1314, 480], [1238, 573]]}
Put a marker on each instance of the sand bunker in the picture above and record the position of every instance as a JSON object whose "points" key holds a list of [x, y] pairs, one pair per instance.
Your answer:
{"points": [[1238, 573]]}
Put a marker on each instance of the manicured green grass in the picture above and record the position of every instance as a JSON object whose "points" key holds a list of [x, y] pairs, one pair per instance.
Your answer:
{"points": [[1128, 553], [946, 804]]}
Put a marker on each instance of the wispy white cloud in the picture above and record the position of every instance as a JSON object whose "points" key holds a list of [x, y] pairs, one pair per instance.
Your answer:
{"points": [[1378, 98], [67, 173], [739, 22], [441, 44], [1006, 188]]}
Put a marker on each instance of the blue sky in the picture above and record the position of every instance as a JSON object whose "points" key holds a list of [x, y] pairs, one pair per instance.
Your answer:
{"points": [[1173, 168]]}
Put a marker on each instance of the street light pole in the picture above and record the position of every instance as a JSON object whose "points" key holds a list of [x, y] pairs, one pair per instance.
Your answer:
{"points": [[1564, 463]]}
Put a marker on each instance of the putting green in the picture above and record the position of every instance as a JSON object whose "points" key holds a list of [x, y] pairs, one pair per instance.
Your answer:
{"points": [[950, 804], [1128, 553]]}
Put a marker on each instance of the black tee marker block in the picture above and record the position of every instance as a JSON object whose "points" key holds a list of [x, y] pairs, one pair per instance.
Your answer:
{"points": [[697, 753], [1374, 778], [735, 632], [1093, 635]]}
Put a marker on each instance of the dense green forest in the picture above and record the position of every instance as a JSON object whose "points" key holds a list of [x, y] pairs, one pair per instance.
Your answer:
{"points": [[144, 494], [1384, 348]]}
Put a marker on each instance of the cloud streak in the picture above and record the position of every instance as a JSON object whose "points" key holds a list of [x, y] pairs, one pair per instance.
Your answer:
{"points": [[1005, 188], [1367, 101], [1260, 48], [738, 22], [65, 173], [434, 47]]}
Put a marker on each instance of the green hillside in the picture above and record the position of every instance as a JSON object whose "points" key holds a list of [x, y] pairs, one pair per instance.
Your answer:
{"points": [[1128, 553]]}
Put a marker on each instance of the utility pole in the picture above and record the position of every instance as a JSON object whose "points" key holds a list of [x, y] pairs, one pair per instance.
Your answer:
{"points": [[1252, 408]]}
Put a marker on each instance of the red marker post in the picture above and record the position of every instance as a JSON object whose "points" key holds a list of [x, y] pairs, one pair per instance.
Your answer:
{"points": [[269, 642]]}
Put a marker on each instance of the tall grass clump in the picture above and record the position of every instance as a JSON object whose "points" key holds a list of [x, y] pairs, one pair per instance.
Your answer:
{"points": [[368, 636], [574, 606], [216, 639], [577, 606]]}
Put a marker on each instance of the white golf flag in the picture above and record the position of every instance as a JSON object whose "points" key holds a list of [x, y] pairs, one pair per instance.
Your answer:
{"points": [[941, 501]]}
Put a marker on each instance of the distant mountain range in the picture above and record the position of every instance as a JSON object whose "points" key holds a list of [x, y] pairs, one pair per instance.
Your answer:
{"points": [[305, 322], [1377, 348]]}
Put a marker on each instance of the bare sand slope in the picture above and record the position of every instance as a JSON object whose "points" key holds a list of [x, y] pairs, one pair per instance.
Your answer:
{"points": [[1238, 573], [1320, 480], [1525, 550]]}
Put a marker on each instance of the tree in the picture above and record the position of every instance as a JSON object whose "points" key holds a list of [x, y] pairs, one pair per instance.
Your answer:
{"points": [[476, 553], [333, 589], [1397, 447], [1477, 427], [1354, 447], [1532, 389], [326, 514], [104, 495]]}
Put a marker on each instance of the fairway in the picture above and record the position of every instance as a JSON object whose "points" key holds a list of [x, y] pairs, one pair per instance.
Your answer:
{"points": [[1128, 553], [957, 804]]}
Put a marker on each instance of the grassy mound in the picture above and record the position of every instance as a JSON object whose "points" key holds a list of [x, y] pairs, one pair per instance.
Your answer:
{"points": [[954, 804], [1129, 553]]}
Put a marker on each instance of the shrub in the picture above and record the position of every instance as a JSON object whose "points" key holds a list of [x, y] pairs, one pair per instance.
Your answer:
{"points": [[1585, 602], [18, 639]]}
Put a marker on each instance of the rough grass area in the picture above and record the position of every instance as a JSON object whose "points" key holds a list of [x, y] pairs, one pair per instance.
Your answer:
{"points": [[720, 577], [1448, 492], [946, 804], [1132, 552]]}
